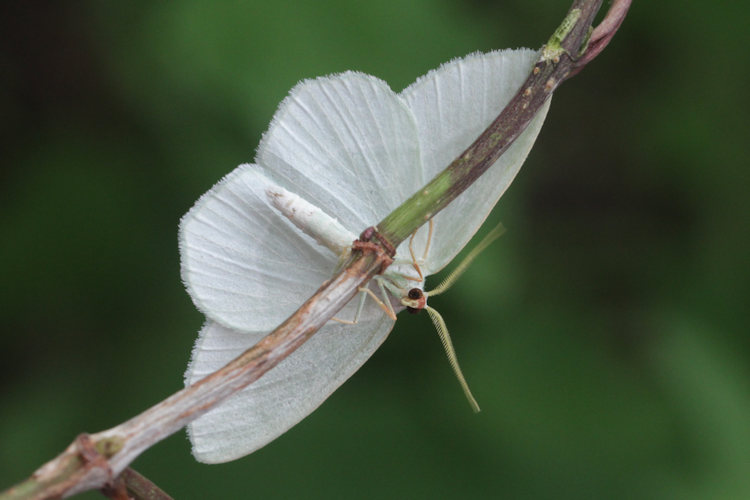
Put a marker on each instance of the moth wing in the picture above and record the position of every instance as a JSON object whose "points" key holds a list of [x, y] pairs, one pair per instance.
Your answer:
{"points": [[346, 143], [285, 394], [244, 264], [452, 105]]}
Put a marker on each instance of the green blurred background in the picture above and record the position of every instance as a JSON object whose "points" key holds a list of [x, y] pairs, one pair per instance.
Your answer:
{"points": [[605, 335]]}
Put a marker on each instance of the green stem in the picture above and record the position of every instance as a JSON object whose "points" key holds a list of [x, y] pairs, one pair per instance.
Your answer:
{"points": [[556, 60]]}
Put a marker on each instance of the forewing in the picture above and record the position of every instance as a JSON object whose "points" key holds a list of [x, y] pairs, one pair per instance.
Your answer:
{"points": [[244, 264], [282, 397], [346, 143], [452, 106]]}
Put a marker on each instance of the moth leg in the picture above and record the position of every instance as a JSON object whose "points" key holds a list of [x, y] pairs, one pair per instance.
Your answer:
{"points": [[402, 275], [431, 225], [386, 299], [362, 297], [414, 261], [384, 305], [414, 258]]}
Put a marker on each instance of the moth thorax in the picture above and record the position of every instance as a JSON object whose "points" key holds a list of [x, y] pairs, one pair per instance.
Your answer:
{"points": [[415, 300]]}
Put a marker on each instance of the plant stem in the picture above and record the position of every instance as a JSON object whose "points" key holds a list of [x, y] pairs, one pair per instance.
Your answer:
{"points": [[557, 59], [94, 461]]}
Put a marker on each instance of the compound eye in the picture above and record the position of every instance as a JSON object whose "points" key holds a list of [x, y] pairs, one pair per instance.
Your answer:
{"points": [[415, 293]]}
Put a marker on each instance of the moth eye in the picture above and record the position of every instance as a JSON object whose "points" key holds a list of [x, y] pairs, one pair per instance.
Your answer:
{"points": [[415, 293]]}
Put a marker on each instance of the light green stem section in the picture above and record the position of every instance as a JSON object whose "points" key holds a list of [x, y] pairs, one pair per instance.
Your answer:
{"points": [[555, 63]]}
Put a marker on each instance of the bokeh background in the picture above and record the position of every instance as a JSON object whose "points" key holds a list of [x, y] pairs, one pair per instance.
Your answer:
{"points": [[605, 335]]}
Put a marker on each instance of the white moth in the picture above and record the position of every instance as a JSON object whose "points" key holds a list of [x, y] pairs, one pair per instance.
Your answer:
{"points": [[341, 153]]}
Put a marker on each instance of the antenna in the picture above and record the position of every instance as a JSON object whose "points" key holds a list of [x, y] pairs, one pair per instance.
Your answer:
{"points": [[416, 300]]}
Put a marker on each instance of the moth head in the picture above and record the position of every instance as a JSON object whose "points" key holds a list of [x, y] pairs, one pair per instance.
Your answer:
{"points": [[415, 300]]}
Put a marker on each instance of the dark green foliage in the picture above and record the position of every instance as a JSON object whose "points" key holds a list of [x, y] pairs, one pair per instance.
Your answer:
{"points": [[605, 335]]}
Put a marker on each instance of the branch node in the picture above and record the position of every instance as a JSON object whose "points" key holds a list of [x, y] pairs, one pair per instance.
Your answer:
{"points": [[370, 247], [383, 248], [88, 450]]}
